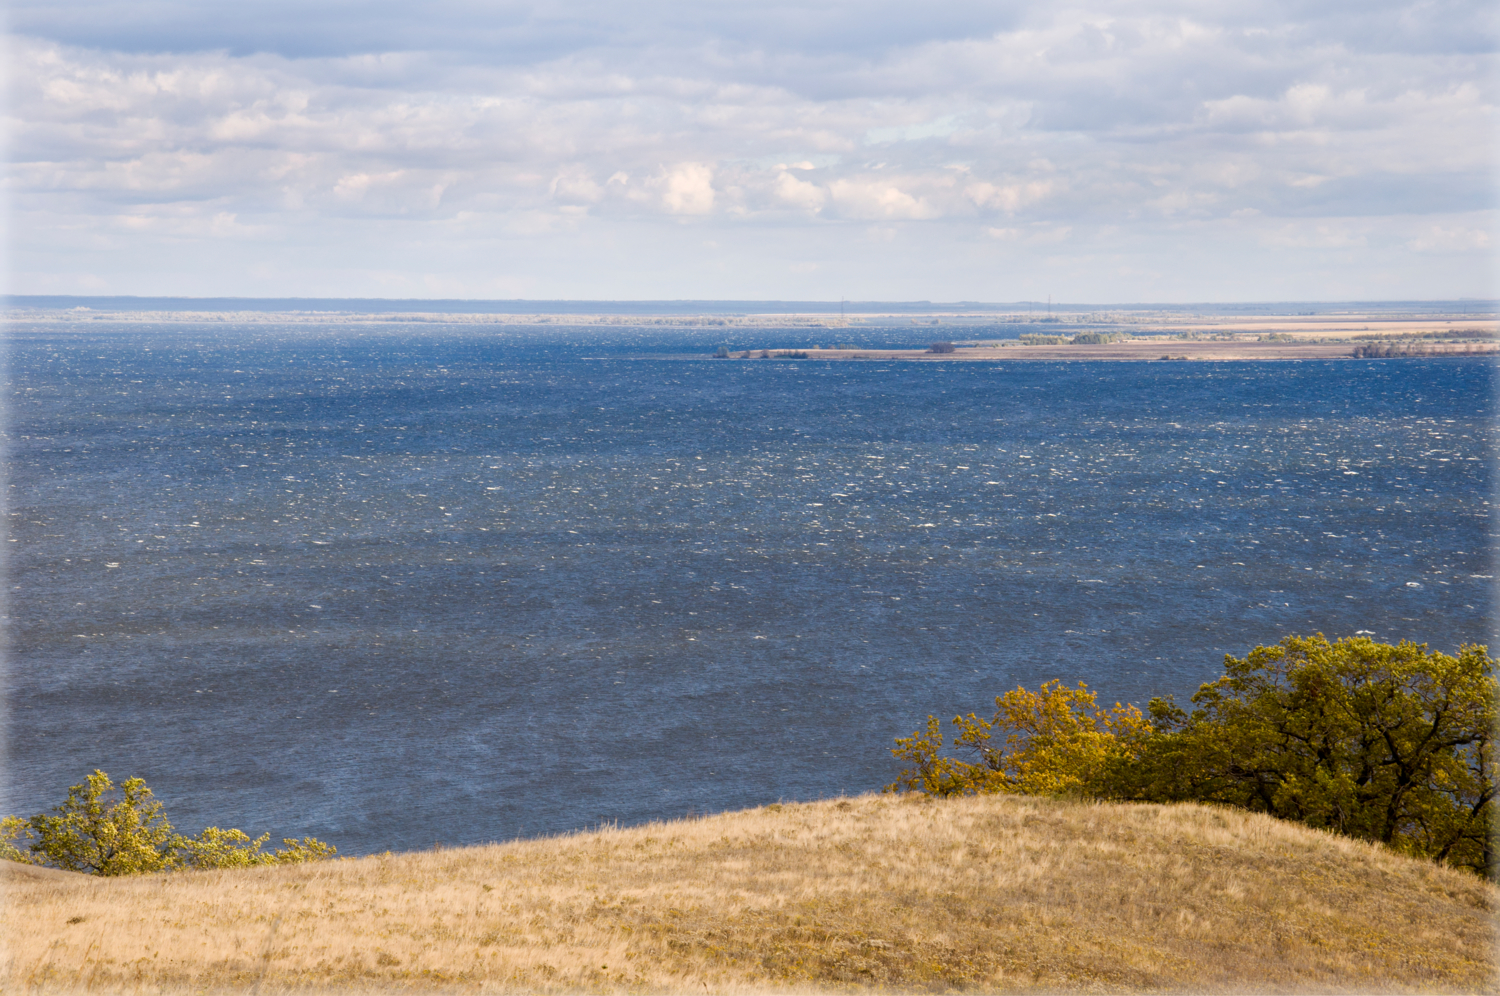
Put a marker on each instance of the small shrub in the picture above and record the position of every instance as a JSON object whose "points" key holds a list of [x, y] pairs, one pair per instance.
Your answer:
{"points": [[942, 347], [215, 848]]}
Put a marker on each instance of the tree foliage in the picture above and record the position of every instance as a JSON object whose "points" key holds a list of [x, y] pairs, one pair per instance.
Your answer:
{"points": [[1381, 742], [1055, 741], [104, 829]]}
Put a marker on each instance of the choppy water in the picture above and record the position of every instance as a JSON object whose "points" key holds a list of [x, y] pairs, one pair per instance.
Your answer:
{"points": [[403, 585]]}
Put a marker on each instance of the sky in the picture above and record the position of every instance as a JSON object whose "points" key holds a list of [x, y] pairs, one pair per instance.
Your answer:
{"points": [[1140, 150]]}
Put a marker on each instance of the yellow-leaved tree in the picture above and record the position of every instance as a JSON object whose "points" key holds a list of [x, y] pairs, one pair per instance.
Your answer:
{"points": [[1056, 741]]}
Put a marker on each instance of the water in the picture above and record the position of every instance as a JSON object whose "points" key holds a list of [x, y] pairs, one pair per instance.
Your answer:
{"points": [[401, 585]]}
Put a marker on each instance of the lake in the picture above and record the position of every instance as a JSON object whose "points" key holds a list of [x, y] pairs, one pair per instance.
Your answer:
{"points": [[404, 584]]}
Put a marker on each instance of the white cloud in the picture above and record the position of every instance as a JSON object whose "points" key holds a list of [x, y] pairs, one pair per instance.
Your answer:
{"points": [[863, 197], [573, 185], [1008, 197], [688, 188], [800, 193]]}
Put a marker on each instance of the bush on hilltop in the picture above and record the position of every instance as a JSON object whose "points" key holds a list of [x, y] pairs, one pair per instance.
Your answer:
{"points": [[1380, 742], [103, 830]]}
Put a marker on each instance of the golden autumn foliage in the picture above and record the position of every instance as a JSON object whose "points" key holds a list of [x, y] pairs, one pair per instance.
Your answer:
{"points": [[1057, 741]]}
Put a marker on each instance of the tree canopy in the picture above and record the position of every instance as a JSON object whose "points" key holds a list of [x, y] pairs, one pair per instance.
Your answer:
{"points": [[1389, 743]]}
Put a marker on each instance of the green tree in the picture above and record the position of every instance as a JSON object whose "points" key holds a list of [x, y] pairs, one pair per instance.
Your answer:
{"points": [[1383, 742]]}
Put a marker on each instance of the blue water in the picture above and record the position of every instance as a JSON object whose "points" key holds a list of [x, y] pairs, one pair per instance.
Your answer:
{"points": [[400, 585]]}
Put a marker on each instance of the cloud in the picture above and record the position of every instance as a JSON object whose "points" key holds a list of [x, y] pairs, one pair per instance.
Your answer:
{"points": [[688, 188], [1008, 197], [1449, 240], [581, 120], [800, 193], [868, 198]]}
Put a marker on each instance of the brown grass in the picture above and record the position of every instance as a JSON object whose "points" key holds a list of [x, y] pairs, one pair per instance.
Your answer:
{"points": [[876, 892]]}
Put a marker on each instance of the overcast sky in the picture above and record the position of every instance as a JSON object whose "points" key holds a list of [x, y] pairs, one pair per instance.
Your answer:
{"points": [[795, 149]]}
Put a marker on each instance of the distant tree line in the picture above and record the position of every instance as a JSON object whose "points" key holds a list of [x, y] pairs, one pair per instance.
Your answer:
{"points": [[1384, 350], [1380, 742], [1081, 339], [724, 353]]}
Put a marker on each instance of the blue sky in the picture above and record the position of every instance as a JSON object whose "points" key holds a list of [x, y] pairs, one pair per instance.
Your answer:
{"points": [[1125, 151]]}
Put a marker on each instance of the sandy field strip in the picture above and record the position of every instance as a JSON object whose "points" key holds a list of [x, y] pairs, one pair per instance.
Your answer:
{"points": [[995, 894], [1341, 326]]}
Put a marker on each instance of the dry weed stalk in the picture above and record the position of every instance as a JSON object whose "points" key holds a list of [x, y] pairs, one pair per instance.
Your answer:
{"points": [[992, 893]]}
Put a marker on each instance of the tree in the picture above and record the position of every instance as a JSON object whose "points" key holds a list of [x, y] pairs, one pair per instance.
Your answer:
{"points": [[1056, 741], [1381, 742], [1386, 743], [103, 830]]}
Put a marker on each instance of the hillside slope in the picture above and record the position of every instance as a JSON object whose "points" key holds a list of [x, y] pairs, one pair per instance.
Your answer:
{"points": [[987, 894]]}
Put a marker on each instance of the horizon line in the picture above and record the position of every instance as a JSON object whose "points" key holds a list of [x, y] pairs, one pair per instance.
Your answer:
{"points": [[133, 302]]}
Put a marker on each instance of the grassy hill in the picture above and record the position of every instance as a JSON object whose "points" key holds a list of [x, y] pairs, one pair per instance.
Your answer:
{"points": [[876, 892]]}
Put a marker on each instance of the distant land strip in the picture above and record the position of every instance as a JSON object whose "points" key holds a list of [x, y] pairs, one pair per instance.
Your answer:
{"points": [[1137, 334], [1144, 349]]}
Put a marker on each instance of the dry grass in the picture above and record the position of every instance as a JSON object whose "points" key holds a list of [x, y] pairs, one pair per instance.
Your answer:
{"points": [[876, 892]]}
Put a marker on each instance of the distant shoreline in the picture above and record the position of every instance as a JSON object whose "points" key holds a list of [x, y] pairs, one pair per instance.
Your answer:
{"points": [[1138, 352], [1138, 335]]}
